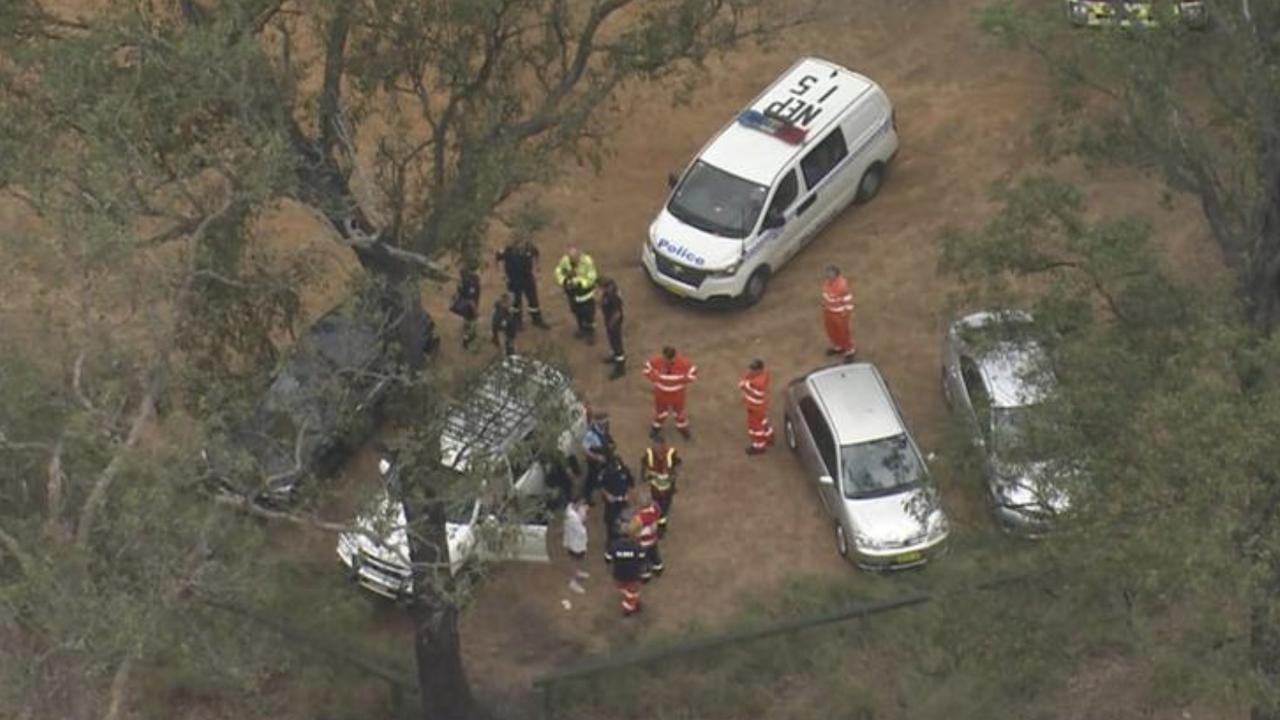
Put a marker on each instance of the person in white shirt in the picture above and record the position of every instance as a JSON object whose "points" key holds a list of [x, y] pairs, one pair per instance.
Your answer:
{"points": [[575, 541]]}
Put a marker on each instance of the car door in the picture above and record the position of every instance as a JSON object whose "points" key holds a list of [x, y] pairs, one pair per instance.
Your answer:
{"points": [[977, 406], [818, 449], [781, 230], [509, 528], [952, 386], [862, 128], [822, 197], [527, 473]]}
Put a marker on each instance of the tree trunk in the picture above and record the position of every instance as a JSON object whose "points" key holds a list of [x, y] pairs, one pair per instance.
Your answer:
{"points": [[437, 645], [442, 680]]}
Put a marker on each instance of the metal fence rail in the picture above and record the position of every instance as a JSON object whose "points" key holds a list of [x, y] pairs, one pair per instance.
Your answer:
{"points": [[548, 683]]}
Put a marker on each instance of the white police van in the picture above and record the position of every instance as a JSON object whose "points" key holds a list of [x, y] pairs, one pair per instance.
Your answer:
{"points": [[819, 138]]}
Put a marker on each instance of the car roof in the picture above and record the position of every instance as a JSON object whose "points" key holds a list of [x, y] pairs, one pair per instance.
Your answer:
{"points": [[857, 402], [1011, 371], [757, 156], [499, 410], [1011, 366]]}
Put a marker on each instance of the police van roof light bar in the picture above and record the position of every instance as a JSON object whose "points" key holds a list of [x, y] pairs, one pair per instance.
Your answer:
{"points": [[784, 131]]}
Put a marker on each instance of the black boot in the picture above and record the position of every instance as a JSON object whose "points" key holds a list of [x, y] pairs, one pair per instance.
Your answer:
{"points": [[538, 322], [619, 369]]}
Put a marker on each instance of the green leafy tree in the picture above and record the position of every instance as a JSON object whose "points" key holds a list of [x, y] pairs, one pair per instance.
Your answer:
{"points": [[1201, 112], [149, 138], [1163, 541]]}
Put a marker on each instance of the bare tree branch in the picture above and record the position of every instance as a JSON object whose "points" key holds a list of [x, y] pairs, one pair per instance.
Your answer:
{"points": [[120, 680], [334, 64], [53, 493], [147, 405], [433, 269], [98, 493], [11, 544], [8, 444], [77, 375]]}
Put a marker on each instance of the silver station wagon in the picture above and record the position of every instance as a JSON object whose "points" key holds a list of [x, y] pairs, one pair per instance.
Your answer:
{"points": [[843, 424]]}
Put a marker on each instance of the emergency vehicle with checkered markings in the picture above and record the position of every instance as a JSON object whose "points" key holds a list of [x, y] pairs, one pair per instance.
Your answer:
{"points": [[819, 138]]}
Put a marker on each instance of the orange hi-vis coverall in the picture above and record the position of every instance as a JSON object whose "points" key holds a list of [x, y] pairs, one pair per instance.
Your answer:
{"points": [[755, 395], [669, 379], [837, 313]]}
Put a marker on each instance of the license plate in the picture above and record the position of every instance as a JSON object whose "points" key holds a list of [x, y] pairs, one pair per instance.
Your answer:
{"points": [[910, 557]]}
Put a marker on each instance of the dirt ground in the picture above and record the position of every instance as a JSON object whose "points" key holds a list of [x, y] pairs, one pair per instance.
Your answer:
{"points": [[743, 525]]}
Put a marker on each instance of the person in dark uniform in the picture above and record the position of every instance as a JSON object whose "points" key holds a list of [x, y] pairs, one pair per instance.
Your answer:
{"points": [[505, 324], [520, 263], [628, 567], [466, 303], [616, 482], [597, 445], [561, 469], [611, 309]]}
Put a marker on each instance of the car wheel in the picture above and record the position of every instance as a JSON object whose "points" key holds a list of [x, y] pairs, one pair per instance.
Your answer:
{"points": [[869, 185], [842, 541], [755, 287], [789, 431]]}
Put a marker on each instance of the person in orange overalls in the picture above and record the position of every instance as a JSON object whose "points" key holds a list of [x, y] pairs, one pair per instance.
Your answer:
{"points": [[670, 373], [644, 528], [837, 313], [755, 395]]}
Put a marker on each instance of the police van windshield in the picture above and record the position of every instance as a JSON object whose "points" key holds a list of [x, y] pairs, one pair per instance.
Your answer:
{"points": [[714, 201]]}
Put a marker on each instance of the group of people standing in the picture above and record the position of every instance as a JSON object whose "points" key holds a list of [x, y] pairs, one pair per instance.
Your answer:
{"points": [[576, 275], [632, 533]]}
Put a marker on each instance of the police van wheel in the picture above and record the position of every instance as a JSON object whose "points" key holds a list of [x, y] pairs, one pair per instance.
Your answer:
{"points": [[842, 541], [755, 287], [789, 431], [869, 185]]}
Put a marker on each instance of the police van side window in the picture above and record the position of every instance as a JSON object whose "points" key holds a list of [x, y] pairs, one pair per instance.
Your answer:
{"points": [[822, 158], [785, 195]]}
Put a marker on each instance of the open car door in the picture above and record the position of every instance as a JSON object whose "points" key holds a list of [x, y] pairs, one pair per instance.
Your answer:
{"points": [[503, 541], [509, 532]]}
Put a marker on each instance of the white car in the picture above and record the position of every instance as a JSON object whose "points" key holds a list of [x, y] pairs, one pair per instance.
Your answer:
{"points": [[819, 138], [489, 448]]}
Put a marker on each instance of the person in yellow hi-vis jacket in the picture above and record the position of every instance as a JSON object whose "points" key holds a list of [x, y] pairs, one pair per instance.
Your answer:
{"points": [[576, 273]]}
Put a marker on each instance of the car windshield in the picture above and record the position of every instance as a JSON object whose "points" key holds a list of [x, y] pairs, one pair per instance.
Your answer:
{"points": [[1012, 433], [880, 467], [714, 201]]}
